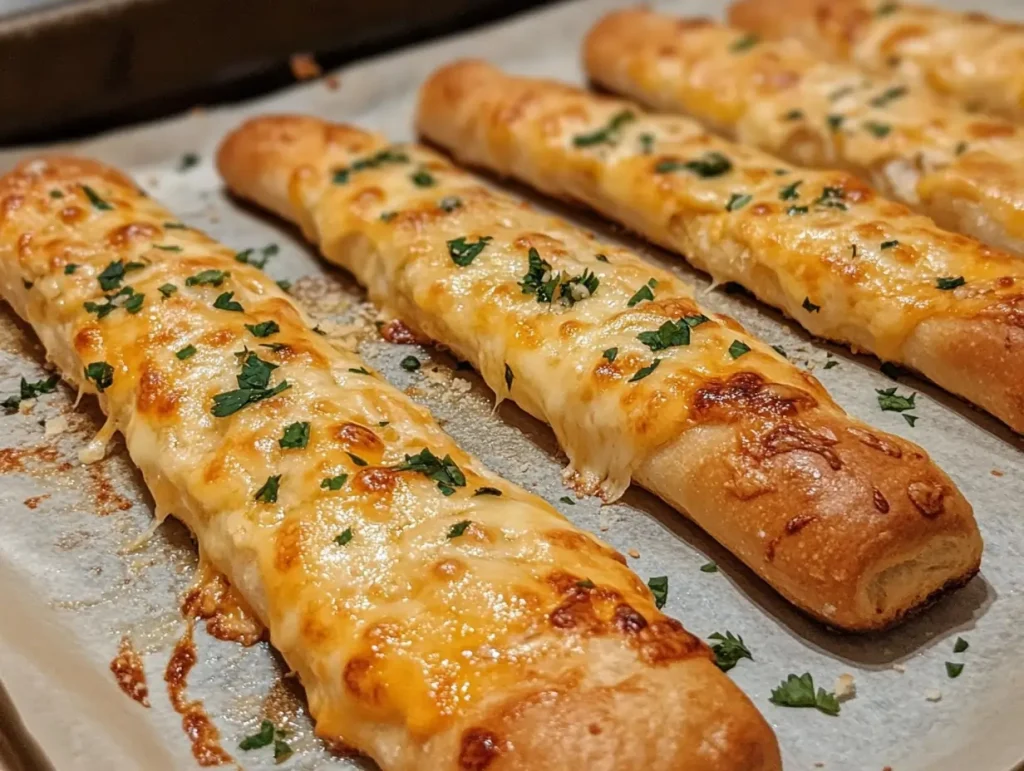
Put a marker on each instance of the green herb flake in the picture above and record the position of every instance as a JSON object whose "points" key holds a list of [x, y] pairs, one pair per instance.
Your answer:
{"points": [[835, 122], [112, 275], [781, 351], [709, 567], [260, 739], [809, 306], [578, 288], [387, 216], [295, 437], [282, 750], [356, 459], [187, 161], [360, 370], [885, 9], [250, 256], [443, 471], [793, 115], [464, 252], [738, 201], [487, 491], [610, 354], [70, 268], [134, 302], [284, 285], [889, 244], [878, 130], [167, 247], [953, 670], [383, 157], [567, 500], [659, 588], [263, 329], [646, 143], [509, 377], [645, 371], [643, 293], [669, 335], [268, 493], [946, 283], [449, 203], [794, 210], [728, 650], [100, 373], [410, 364], [175, 226], [94, 198], [586, 583], [423, 178], [832, 198], [889, 95], [333, 483], [56, 194], [738, 348], [831, 363], [167, 290], [601, 257], [839, 93], [609, 134], [789, 192], [186, 353], [960, 149], [29, 390], [960, 645], [911, 419], [711, 164], [799, 691], [345, 536], [890, 401], [744, 43], [253, 387], [209, 277], [225, 303], [539, 280], [458, 529]]}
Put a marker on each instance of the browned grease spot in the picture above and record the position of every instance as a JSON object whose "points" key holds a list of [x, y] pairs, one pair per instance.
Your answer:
{"points": [[744, 393], [880, 502], [396, 331], [128, 671], [227, 615], [107, 500], [790, 437], [376, 480], [133, 231], [355, 437], [362, 681], [928, 497], [13, 459], [876, 443], [199, 729], [479, 748], [155, 393], [33, 502]]}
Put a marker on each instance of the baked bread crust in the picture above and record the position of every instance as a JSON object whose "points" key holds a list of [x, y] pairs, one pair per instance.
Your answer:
{"points": [[423, 646], [971, 58], [750, 447], [964, 171], [820, 245]]}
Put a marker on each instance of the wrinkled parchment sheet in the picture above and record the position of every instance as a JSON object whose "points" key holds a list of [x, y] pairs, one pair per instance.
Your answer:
{"points": [[81, 566]]}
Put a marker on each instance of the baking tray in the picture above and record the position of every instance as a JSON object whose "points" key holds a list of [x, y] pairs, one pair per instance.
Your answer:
{"points": [[81, 567]]}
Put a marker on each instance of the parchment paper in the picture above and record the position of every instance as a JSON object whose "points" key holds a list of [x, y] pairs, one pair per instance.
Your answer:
{"points": [[79, 570]]}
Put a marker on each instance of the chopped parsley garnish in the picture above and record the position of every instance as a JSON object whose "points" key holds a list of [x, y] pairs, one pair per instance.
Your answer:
{"points": [[646, 143], [809, 306], [890, 401], [463, 252], [586, 583], [95, 200], [744, 43], [295, 437], [275, 347], [344, 537], [209, 277], [953, 670], [889, 244], [387, 216], [659, 588], [282, 750], [458, 529], [186, 353], [167, 247], [449, 203], [125, 297], [738, 348], [728, 650], [879, 130], [949, 282], [359, 370], [249, 256], [579, 287], [188, 160], [385, 156], [711, 164], [610, 354], [789, 192], [443, 471], [601, 257], [886, 8], [333, 483], [794, 210], [260, 739], [356, 459], [175, 226], [831, 363], [487, 491], [643, 293], [70, 268], [889, 95], [960, 645], [253, 385], [780, 350], [839, 93], [225, 303], [284, 285], [797, 691], [709, 567], [835, 122], [607, 135], [509, 377], [167, 290], [671, 333], [100, 373], [738, 201], [410, 364], [831, 198], [961, 148], [567, 500], [539, 280], [263, 329], [134, 302], [268, 493], [56, 194], [793, 115], [645, 371], [423, 178], [114, 273], [29, 390]]}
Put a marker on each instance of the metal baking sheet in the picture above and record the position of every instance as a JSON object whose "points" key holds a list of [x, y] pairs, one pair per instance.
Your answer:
{"points": [[81, 566]]}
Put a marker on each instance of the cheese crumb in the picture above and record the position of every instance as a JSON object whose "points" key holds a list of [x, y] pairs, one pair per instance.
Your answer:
{"points": [[899, 668], [933, 694], [634, 554], [54, 426], [304, 67], [845, 687], [828, 609]]}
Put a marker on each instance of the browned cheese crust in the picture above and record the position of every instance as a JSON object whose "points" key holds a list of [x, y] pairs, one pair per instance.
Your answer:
{"points": [[968, 58], [637, 381], [964, 171], [820, 245], [433, 611]]}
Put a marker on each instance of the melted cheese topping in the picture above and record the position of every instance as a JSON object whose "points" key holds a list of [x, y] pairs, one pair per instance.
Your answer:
{"points": [[819, 244], [618, 398], [970, 57], [415, 619], [781, 98]]}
